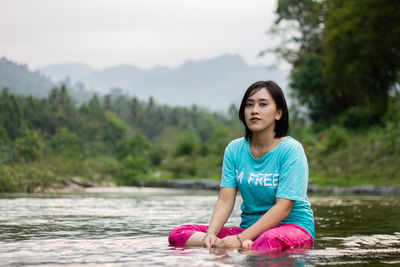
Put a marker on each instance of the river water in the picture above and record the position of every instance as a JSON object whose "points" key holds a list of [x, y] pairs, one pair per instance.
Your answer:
{"points": [[129, 227]]}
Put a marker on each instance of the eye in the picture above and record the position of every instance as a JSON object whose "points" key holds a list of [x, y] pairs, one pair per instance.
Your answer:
{"points": [[263, 104], [249, 104]]}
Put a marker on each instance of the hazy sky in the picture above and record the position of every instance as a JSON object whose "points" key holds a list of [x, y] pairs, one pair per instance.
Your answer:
{"points": [[144, 33]]}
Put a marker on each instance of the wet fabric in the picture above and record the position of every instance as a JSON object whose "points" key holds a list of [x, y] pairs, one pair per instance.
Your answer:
{"points": [[281, 237]]}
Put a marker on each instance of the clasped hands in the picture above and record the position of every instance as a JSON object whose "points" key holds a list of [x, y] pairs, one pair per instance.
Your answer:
{"points": [[233, 241]]}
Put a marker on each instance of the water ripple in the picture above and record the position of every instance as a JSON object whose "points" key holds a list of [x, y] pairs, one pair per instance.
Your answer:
{"points": [[129, 227]]}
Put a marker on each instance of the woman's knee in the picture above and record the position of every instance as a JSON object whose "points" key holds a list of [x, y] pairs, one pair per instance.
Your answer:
{"points": [[267, 240], [180, 234], [282, 238]]}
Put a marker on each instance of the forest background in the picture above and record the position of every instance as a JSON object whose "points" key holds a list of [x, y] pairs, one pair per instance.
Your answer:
{"points": [[345, 58]]}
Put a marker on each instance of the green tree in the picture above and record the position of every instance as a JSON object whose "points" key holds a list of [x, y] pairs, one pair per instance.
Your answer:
{"points": [[312, 89], [137, 145], [362, 51], [66, 143], [36, 114], [108, 105], [134, 154], [187, 145], [10, 114], [115, 129], [300, 28], [29, 146], [61, 111], [346, 57], [95, 108]]}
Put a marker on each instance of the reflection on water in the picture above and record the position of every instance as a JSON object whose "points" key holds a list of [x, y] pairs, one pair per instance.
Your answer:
{"points": [[129, 226]]}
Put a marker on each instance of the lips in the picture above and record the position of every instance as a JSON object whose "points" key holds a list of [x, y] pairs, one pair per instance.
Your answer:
{"points": [[254, 119]]}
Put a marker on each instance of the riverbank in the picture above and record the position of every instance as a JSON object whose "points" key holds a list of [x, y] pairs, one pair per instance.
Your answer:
{"points": [[78, 184], [73, 185]]}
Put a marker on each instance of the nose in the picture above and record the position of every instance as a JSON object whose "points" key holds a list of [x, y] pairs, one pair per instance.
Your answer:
{"points": [[254, 109]]}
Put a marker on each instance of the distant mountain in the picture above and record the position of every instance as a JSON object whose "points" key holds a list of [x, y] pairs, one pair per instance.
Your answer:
{"points": [[60, 72], [21, 81], [214, 83]]}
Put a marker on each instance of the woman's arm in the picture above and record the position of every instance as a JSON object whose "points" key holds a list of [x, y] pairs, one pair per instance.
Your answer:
{"points": [[222, 211], [271, 218]]}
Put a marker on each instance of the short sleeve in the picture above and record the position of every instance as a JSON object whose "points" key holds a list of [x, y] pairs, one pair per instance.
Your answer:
{"points": [[228, 178], [293, 177]]}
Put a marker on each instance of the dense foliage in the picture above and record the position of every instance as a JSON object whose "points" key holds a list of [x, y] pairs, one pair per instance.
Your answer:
{"points": [[345, 56], [339, 156], [123, 138], [43, 142]]}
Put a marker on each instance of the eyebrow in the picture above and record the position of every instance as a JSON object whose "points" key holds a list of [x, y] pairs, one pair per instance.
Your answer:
{"points": [[259, 99]]}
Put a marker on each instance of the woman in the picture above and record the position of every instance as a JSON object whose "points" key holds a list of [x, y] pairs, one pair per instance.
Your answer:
{"points": [[270, 169]]}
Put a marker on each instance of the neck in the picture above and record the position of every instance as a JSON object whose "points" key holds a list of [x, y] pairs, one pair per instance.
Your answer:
{"points": [[262, 139], [262, 143]]}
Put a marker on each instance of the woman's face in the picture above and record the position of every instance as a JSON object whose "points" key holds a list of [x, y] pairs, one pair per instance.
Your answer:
{"points": [[260, 112]]}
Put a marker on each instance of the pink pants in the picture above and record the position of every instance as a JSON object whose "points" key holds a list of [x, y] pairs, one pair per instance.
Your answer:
{"points": [[280, 237]]}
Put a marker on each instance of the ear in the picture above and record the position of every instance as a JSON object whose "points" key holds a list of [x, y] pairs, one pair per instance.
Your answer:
{"points": [[278, 115]]}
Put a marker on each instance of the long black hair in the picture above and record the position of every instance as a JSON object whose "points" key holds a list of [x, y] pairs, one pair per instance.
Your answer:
{"points": [[282, 125]]}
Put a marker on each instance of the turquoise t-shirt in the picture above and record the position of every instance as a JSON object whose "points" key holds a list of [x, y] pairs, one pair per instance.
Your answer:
{"points": [[281, 173]]}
